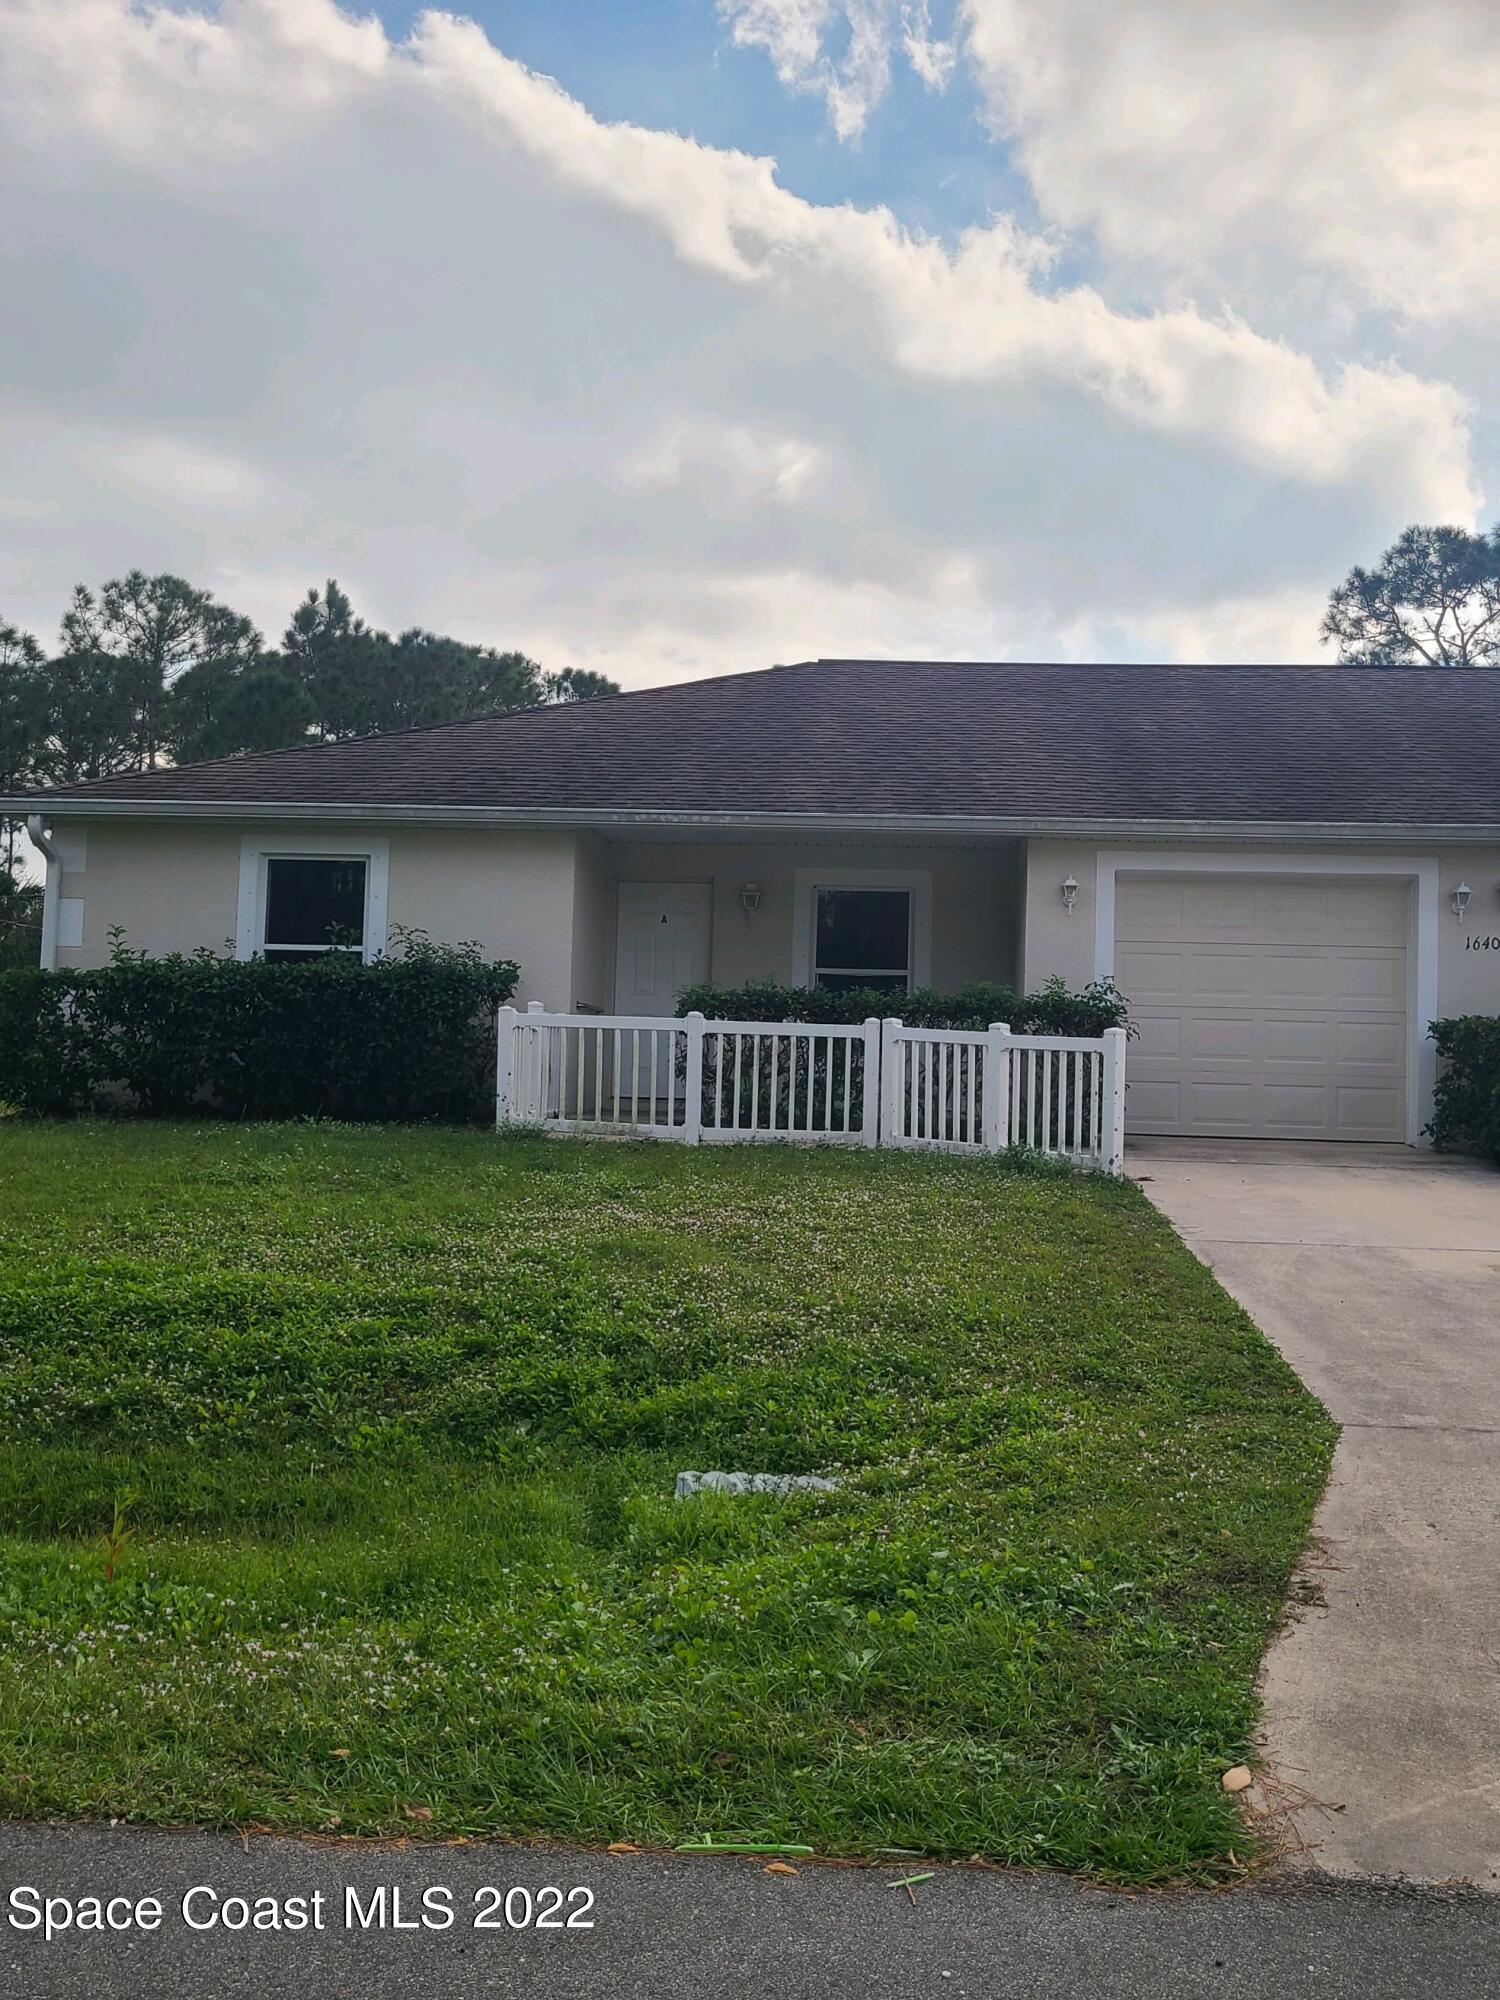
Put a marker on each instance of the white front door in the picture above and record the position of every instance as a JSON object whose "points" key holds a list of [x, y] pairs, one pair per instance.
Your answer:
{"points": [[661, 944]]}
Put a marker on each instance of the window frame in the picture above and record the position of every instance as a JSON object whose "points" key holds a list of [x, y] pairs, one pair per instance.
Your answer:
{"points": [[810, 882], [257, 851], [882, 978]]}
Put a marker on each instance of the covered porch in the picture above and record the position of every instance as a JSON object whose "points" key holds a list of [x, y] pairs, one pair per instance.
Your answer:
{"points": [[657, 913], [663, 912]]}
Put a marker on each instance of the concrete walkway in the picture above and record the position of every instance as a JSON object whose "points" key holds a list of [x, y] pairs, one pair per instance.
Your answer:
{"points": [[1376, 1271]]}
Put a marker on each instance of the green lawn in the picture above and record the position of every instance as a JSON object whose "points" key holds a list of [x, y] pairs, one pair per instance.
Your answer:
{"points": [[402, 1410]]}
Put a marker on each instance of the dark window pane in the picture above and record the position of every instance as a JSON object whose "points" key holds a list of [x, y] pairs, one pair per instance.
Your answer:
{"points": [[300, 954], [876, 982], [864, 927], [314, 902]]}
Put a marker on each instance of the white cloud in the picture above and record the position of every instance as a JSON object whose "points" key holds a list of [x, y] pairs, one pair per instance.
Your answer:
{"points": [[313, 302], [933, 59], [1358, 139], [841, 50], [1270, 629]]}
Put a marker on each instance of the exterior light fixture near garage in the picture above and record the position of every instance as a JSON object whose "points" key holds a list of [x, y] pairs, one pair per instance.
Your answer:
{"points": [[1461, 897], [750, 898], [1069, 893]]}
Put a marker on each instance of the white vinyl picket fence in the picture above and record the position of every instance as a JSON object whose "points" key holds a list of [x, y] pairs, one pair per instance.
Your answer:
{"points": [[880, 1083]]}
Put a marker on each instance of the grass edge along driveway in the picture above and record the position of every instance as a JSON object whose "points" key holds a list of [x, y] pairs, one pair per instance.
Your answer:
{"points": [[398, 1413]]}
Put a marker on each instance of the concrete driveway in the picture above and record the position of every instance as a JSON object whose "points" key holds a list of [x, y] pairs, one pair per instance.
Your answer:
{"points": [[1376, 1271]]}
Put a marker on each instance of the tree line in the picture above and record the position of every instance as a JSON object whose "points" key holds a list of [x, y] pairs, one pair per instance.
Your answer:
{"points": [[149, 670]]}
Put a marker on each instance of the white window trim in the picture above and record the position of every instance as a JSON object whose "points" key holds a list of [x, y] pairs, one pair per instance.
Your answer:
{"points": [[1419, 871], [806, 883], [257, 849]]}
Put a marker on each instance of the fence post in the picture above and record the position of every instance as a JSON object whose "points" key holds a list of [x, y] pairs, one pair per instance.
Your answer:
{"points": [[870, 1090], [888, 1095], [1112, 1146], [692, 1110], [505, 1056], [997, 1087], [538, 1066]]}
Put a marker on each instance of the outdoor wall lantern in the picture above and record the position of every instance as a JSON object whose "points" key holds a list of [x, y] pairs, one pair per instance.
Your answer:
{"points": [[1069, 893], [750, 897], [1461, 897]]}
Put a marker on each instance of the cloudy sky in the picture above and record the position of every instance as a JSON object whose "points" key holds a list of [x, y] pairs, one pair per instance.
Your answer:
{"points": [[668, 337]]}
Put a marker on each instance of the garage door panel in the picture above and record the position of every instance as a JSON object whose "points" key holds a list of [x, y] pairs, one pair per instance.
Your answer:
{"points": [[1367, 976], [1300, 1108], [1371, 913], [1369, 1113], [1297, 1038], [1154, 973], [1156, 908], [1291, 912], [1156, 1105], [1157, 1036], [1230, 1106], [1210, 1039], [1210, 973], [1265, 1006], [1372, 1043], [1291, 979], [1211, 911]]}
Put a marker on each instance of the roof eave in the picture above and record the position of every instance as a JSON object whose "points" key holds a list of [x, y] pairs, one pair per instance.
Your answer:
{"points": [[1057, 826]]}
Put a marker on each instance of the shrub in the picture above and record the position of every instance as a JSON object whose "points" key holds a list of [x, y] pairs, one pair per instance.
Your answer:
{"points": [[1052, 1011], [1466, 1102], [407, 1037]]}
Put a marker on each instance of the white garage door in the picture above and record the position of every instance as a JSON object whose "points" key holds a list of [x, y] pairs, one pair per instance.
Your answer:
{"points": [[1268, 1006]]}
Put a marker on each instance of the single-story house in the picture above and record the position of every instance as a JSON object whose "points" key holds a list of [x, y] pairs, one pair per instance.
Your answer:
{"points": [[1289, 871]]}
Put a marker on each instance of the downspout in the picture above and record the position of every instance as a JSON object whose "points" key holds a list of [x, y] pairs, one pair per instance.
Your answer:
{"points": [[42, 841]]}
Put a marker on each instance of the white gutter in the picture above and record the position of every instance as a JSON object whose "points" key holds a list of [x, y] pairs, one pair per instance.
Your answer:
{"points": [[42, 841], [1063, 827]]}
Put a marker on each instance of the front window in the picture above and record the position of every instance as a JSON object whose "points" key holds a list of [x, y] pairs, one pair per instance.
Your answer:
{"points": [[313, 905], [863, 940]]}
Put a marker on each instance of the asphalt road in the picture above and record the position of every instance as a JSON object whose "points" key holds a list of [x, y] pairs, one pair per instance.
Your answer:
{"points": [[665, 1927]]}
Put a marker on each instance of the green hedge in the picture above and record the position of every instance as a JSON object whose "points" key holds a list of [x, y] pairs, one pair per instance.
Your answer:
{"points": [[1466, 1102], [1052, 1011], [408, 1037]]}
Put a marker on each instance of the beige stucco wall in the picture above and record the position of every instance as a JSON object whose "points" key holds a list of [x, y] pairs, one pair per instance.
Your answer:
{"points": [[510, 892], [1052, 942], [174, 887], [1469, 974], [593, 974], [169, 888], [975, 900]]}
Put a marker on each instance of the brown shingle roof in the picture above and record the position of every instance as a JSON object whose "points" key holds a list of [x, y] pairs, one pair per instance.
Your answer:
{"points": [[852, 738]]}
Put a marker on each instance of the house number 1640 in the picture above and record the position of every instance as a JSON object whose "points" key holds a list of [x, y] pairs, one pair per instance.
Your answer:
{"points": [[1482, 944]]}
